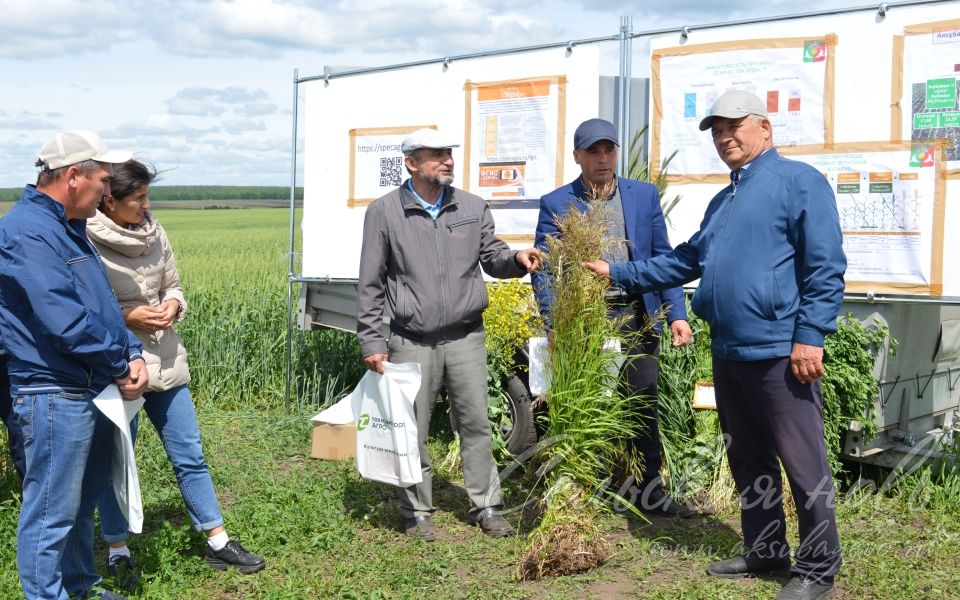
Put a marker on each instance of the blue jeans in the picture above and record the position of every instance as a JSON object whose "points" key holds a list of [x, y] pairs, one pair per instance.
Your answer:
{"points": [[172, 414], [68, 444]]}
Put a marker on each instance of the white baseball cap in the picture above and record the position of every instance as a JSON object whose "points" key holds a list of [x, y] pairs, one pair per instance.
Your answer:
{"points": [[734, 104], [427, 138], [72, 147]]}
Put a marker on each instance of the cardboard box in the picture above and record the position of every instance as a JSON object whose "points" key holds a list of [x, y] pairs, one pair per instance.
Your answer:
{"points": [[334, 442]]}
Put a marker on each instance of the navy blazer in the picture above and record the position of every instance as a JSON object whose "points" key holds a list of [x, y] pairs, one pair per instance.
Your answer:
{"points": [[646, 237]]}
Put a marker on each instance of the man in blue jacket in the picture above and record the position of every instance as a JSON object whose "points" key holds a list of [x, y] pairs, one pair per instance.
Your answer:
{"points": [[770, 260], [635, 215], [66, 339]]}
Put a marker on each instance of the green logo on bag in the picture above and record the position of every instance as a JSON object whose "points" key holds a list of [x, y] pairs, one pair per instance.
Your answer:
{"points": [[363, 422]]}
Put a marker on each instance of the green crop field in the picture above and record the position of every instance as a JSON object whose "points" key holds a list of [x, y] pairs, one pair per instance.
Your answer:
{"points": [[328, 534]]}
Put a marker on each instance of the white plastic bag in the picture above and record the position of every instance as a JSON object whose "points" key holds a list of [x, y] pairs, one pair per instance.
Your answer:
{"points": [[387, 448], [123, 467]]}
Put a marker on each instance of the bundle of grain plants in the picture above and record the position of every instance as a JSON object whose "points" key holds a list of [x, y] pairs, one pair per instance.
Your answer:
{"points": [[590, 420]]}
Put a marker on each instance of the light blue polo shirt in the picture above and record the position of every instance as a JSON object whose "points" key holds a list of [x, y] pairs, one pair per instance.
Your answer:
{"points": [[432, 209]]}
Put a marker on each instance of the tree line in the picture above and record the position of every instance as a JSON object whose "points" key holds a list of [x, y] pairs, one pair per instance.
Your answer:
{"points": [[197, 192]]}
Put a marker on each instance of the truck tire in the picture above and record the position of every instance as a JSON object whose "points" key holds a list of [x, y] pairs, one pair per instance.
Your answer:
{"points": [[520, 433]]}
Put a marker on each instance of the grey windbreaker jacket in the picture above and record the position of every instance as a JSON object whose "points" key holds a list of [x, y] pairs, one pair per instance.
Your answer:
{"points": [[424, 275]]}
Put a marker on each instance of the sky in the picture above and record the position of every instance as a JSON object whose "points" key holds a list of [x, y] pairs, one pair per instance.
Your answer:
{"points": [[204, 89]]}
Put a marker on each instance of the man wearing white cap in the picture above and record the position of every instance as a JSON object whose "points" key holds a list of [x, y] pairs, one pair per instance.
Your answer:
{"points": [[66, 339], [423, 246], [770, 261]]}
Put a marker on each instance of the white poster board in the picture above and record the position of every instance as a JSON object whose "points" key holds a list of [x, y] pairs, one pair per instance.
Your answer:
{"points": [[929, 94], [794, 76], [353, 123], [891, 214], [515, 150], [868, 98]]}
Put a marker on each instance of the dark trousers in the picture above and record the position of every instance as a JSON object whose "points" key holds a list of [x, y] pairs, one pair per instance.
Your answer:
{"points": [[14, 435], [767, 414], [639, 378]]}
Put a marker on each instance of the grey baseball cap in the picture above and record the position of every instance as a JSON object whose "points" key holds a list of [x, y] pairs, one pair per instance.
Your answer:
{"points": [[72, 147], [734, 104], [592, 131]]}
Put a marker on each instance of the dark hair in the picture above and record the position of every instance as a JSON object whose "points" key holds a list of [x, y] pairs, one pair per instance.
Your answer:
{"points": [[130, 176]]}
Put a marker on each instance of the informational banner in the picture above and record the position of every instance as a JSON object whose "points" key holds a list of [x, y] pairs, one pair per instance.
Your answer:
{"points": [[891, 213], [376, 163], [353, 127], [793, 75], [514, 152], [929, 88]]}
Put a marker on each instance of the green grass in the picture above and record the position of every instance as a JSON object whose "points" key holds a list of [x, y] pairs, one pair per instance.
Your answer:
{"points": [[328, 534]]}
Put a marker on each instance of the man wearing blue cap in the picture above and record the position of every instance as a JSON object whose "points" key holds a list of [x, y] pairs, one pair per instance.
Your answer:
{"points": [[635, 215], [770, 261]]}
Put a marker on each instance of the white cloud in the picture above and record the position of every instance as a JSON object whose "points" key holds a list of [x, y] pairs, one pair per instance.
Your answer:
{"points": [[157, 126], [61, 27], [28, 120]]}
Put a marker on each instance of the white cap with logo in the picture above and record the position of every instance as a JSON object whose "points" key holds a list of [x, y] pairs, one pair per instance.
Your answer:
{"points": [[72, 147]]}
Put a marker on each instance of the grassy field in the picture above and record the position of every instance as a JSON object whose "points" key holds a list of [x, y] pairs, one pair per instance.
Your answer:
{"points": [[328, 534]]}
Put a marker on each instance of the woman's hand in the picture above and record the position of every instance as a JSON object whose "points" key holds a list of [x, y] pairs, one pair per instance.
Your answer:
{"points": [[171, 308], [149, 318]]}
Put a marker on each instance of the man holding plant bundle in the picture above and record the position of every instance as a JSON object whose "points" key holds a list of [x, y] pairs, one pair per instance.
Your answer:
{"points": [[636, 216], [770, 260], [423, 246]]}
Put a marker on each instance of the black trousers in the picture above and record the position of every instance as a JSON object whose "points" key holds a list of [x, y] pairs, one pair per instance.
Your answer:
{"points": [[639, 378], [768, 415]]}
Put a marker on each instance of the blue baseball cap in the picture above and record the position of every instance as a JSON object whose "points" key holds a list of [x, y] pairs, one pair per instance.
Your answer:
{"points": [[592, 131]]}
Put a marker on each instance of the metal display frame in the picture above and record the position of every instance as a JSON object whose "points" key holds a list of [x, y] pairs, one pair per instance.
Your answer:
{"points": [[624, 36]]}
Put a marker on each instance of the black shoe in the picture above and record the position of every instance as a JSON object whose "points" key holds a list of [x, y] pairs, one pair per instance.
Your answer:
{"points": [[661, 505], [105, 595], [492, 523], [420, 526], [120, 568], [801, 588], [745, 566], [234, 555]]}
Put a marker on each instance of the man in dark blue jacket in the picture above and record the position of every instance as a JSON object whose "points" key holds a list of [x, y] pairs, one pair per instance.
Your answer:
{"points": [[66, 339], [635, 215], [770, 260]]}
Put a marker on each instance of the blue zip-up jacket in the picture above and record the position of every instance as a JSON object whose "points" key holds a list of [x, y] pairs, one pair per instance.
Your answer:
{"points": [[60, 322], [770, 260]]}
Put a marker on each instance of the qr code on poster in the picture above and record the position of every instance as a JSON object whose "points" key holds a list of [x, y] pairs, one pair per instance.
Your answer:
{"points": [[391, 171]]}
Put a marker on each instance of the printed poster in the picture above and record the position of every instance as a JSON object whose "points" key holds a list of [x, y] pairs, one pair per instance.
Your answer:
{"points": [[514, 151], [931, 88], [376, 162], [793, 77], [890, 215]]}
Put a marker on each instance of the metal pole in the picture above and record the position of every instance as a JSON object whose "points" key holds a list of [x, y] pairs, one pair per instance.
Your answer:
{"points": [[622, 112], [290, 274], [886, 7], [626, 76]]}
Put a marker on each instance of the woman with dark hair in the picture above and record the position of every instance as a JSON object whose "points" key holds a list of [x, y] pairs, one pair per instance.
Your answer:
{"points": [[143, 274]]}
